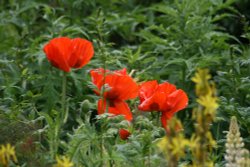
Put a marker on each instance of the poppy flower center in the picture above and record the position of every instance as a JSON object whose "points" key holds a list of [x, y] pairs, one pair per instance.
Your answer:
{"points": [[111, 103], [155, 106], [112, 95]]}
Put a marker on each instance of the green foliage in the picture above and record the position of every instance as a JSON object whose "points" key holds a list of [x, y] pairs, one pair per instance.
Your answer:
{"points": [[165, 40]]}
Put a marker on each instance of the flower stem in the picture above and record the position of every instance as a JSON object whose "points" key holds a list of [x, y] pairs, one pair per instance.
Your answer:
{"points": [[63, 101], [101, 151], [60, 119], [149, 158]]}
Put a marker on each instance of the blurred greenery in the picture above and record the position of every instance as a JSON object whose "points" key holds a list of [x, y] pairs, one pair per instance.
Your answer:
{"points": [[166, 40]]}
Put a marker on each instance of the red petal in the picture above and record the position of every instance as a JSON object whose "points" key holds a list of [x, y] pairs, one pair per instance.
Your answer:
{"points": [[147, 89], [121, 86], [155, 103], [166, 88], [124, 134], [57, 52], [97, 78], [81, 52], [165, 117], [121, 72], [178, 100], [116, 107]]}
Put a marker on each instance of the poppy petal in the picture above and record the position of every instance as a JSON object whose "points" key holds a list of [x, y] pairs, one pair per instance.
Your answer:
{"points": [[81, 52], [155, 103], [57, 52], [147, 89], [116, 107], [178, 100], [97, 78], [166, 88], [121, 86], [121, 72], [165, 116]]}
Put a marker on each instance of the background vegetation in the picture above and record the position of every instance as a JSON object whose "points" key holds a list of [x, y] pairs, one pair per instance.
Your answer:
{"points": [[166, 40]]}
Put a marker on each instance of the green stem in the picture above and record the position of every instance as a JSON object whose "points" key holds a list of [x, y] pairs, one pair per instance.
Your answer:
{"points": [[101, 151], [149, 158], [63, 101], [61, 117], [158, 119]]}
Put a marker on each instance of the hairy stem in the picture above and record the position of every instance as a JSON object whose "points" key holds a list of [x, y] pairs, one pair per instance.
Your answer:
{"points": [[63, 101]]}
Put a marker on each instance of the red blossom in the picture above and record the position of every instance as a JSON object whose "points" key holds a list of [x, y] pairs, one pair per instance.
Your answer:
{"points": [[116, 107], [118, 87], [164, 98], [65, 53]]}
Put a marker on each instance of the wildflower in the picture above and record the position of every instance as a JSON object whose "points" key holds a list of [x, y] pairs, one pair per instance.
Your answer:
{"points": [[115, 87], [173, 145], [164, 98], [202, 85], [63, 162], [7, 153], [244, 160], [177, 145], [235, 153], [202, 141], [65, 53], [210, 105]]}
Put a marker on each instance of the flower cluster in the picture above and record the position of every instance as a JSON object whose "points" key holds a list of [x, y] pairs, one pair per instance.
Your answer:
{"points": [[236, 155], [116, 87], [164, 98], [173, 145], [204, 114]]}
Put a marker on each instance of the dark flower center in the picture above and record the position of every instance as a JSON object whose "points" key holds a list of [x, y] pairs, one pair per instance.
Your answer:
{"points": [[155, 106]]}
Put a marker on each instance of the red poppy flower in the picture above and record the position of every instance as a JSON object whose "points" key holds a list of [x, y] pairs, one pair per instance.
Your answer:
{"points": [[118, 87], [65, 53], [116, 107], [119, 84], [124, 134], [162, 97]]}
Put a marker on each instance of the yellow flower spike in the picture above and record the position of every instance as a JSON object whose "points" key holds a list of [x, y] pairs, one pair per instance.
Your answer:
{"points": [[201, 79], [212, 143], [179, 144], [209, 103], [204, 115], [162, 144], [63, 162], [7, 153], [174, 144]]}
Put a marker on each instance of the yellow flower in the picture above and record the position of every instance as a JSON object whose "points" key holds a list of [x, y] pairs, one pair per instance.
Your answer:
{"points": [[202, 141], [176, 145], [209, 103], [63, 162], [6, 154], [201, 78]]}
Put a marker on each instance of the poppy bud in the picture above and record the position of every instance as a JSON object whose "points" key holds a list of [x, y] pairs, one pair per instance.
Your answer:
{"points": [[124, 134]]}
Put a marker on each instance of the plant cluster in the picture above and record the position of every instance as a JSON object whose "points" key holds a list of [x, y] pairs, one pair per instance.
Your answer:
{"points": [[110, 83]]}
